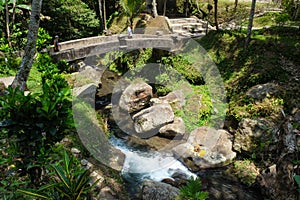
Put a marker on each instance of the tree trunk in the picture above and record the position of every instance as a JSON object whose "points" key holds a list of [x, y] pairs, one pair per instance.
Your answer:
{"points": [[216, 14], [250, 24], [295, 14], [14, 14], [186, 8], [154, 8], [104, 15], [165, 7], [235, 4], [26, 64], [101, 16], [7, 22]]}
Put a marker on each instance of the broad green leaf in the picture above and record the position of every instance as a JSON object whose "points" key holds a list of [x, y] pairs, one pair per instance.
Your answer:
{"points": [[297, 179]]}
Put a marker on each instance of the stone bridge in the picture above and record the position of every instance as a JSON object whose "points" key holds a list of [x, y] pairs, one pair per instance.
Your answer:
{"points": [[84, 47]]}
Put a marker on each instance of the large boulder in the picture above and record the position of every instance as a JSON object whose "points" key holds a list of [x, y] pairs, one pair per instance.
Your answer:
{"points": [[175, 98], [282, 184], [261, 91], [254, 132], [173, 130], [136, 97], [206, 148], [158, 191], [148, 121], [85, 91]]}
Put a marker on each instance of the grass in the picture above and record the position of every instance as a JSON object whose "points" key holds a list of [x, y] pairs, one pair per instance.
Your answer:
{"points": [[34, 82], [271, 54]]}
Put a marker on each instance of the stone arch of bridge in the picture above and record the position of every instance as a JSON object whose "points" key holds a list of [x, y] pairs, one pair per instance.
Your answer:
{"points": [[82, 48]]}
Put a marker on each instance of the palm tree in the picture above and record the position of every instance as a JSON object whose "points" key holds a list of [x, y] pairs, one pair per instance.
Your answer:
{"points": [[250, 24], [26, 64], [100, 15], [154, 8], [104, 15], [165, 7], [7, 22], [132, 8], [216, 14]]}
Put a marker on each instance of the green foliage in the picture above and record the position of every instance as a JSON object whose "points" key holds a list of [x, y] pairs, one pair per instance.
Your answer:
{"points": [[70, 182], [43, 40], [13, 167], [290, 7], [132, 8], [70, 19], [111, 18], [246, 171], [192, 190], [34, 122], [198, 108], [11, 181], [9, 61], [297, 179], [266, 60], [267, 19], [182, 65], [282, 18]]}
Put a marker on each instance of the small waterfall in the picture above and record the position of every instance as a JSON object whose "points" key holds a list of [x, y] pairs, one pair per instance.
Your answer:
{"points": [[141, 165]]}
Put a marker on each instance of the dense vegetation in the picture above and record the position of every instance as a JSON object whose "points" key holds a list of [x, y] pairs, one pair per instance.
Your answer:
{"points": [[33, 125]]}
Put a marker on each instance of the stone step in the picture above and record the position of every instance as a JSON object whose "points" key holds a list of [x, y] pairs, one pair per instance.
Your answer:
{"points": [[183, 20]]}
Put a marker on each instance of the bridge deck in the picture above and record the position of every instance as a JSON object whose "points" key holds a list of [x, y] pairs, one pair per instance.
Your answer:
{"points": [[81, 48]]}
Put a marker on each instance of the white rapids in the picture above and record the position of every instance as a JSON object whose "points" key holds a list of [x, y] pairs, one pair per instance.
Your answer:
{"points": [[153, 165]]}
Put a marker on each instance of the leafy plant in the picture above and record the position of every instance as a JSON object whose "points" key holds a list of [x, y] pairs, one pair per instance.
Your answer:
{"points": [[34, 122], [69, 182], [282, 19], [192, 190], [297, 179], [43, 40], [246, 171]]}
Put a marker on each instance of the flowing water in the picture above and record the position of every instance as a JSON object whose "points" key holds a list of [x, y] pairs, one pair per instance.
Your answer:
{"points": [[152, 165], [141, 164]]}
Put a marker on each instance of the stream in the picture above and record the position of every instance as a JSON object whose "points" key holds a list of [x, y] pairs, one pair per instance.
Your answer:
{"points": [[141, 163], [152, 165]]}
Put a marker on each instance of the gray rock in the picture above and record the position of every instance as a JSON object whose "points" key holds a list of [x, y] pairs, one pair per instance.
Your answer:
{"points": [[96, 176], [261, 91], [175, 129], [158, 191], [176, 99], [87, 76], [88, 90], [84, 162], [75, 150], [252, 132], [136, 97], [107, 193], [148, 121], [206, 148]]}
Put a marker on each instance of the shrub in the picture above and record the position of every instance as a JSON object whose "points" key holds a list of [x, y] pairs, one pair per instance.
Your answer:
{"points": [[34, 122], [282, 19], [68, 182], [192, 190]]}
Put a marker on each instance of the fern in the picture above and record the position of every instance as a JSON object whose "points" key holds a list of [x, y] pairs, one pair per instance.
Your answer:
{"points": [[192, 190]]}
